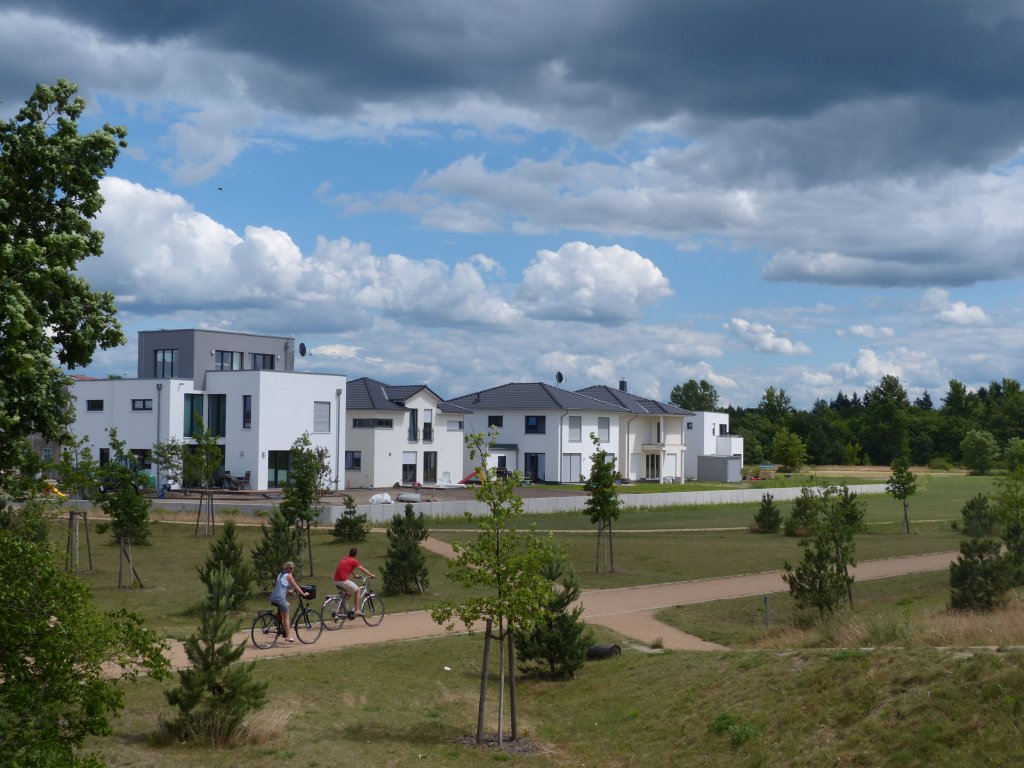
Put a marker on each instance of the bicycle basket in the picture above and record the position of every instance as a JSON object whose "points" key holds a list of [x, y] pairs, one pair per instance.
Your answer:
{"points": [[310, 590]]}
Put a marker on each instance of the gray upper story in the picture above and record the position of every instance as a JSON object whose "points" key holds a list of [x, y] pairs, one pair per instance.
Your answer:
{"points": [[190, 353]]}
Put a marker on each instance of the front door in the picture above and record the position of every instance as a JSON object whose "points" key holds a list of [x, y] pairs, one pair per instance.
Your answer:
{"points": [[535, 466]]}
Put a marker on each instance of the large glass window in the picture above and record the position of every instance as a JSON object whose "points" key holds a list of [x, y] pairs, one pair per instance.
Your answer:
{"points": [[278, 464], [496, 421], [227, 361], [572, 467], [322, 416], [246, 411], [536, 425], [193, 414], [603, 429], [258, 362], [353, 459], [165, 363], [408, 467], [218, 415], [430, 466]]}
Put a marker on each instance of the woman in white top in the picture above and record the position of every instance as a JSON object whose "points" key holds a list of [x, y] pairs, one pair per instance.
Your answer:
{"points": [[279, 597]]}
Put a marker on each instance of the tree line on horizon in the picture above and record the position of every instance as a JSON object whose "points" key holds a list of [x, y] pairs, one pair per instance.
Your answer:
{"points": [[967, 427]]}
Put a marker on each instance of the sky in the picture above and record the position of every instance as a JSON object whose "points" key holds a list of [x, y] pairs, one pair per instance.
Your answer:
{"points": [[753, 192]]}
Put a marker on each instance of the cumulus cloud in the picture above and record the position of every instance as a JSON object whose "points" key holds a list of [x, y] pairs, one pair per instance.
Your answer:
{"points": [[867, 331], [579, 281], [763, 338], [953, 312]]}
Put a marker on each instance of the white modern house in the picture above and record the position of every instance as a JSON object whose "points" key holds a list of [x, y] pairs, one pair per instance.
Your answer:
{"points": [[403, 434], [712, 453], [242, 386], [651, 446], [542, 431]]}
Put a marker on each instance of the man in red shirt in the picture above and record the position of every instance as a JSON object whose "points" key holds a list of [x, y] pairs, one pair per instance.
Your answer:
{"points": [[342, 577]]}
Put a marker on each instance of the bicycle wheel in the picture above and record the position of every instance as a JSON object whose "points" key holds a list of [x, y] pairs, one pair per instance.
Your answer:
{"points": [[308, 625], [334, 617], [265, 630], [373, 610]]}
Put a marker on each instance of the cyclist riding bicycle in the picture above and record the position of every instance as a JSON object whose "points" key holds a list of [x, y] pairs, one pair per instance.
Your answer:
{"points": [[279, 597], [342, 578]]}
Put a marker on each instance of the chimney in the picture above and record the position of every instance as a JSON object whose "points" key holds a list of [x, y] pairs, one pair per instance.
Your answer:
{"points": [[622, 385]]}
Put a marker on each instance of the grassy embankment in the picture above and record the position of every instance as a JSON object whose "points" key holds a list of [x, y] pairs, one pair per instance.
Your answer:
{"points": [[396, 704]]}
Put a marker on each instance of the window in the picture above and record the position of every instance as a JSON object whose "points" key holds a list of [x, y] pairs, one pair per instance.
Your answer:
{"points": [[689, 425], [246, 411], [603, 429], [496, 421], [575, 429], [353, 459], [193, 414], [278, 464], [652, 466], [535, 425], [408, 467], [47, 452], [218, 415], [258, 362], [142, 404], [141, 456], [454, 425], [165, 363], [94, 405], [227, 361], [572, 467], [414, 432], [372, 423], [428, 425], [322, 416], [430, 466], [104, 456]]}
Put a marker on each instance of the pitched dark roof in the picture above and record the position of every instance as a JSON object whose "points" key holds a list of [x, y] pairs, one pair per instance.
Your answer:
{"points": [[633, 403], [366, 394], [533, 396]]}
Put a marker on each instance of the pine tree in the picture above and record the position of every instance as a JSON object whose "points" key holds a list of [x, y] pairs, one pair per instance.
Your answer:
{"points": [[226, 552], [768, 518], [979, 518], [279, 544], [351, 527], [405, 567], [215, 693], [557, 645], [980, 576]]}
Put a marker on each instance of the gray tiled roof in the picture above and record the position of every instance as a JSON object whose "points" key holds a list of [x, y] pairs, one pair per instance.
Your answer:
{"points": [[633, 403], [370, 395], [533, 396]]}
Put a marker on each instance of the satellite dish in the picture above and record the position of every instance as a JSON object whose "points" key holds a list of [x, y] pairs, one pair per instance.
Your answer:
{"points": [[559, 378], [302, 349]]}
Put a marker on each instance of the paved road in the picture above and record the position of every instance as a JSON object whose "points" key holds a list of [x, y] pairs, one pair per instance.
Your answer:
{"points": [[629, 611]]}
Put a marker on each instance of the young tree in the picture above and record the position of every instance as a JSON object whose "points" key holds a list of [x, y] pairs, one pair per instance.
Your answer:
{"points": [[979, 451], [603, 505], [788, 449], [201, 461], [768, 518], [405, 567], [980, 577], [278, 544], [49, 187], [215, 693], [351, 527], [56, 685], [307, 483], [822, 579], [127, 508], [170, 457], [557, 645], [78, 470], [503, 569], [901, 486], [979, 518], [226, 554]]}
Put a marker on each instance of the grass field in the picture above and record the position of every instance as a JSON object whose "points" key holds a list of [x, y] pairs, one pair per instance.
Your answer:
{"points": [[791, 695]]}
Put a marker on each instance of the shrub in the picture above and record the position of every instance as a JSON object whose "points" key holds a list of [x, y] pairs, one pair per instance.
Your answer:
{"points": [[405, 567], [940, 464], [980, 577], [768, 518], [556, 646], [351, 526]]}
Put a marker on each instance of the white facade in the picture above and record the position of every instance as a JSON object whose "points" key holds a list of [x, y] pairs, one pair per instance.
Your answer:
{"points": [[263, 412], [412, 444], [651, 447], [556, 450], [706, 433]]}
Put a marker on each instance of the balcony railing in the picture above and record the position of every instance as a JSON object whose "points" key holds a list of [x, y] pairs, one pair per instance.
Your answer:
{"points": [[414, 435], [428, 433]]}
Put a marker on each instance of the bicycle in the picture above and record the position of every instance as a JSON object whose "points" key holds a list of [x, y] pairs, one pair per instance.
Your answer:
{"points": [[306, 623], [335, 609]]}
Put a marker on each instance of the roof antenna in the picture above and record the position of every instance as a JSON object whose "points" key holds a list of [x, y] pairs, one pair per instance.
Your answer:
{"points": [[559, 378]]}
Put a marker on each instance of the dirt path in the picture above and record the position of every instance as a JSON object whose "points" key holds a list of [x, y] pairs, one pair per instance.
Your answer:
{"points": [[628, 611]]}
